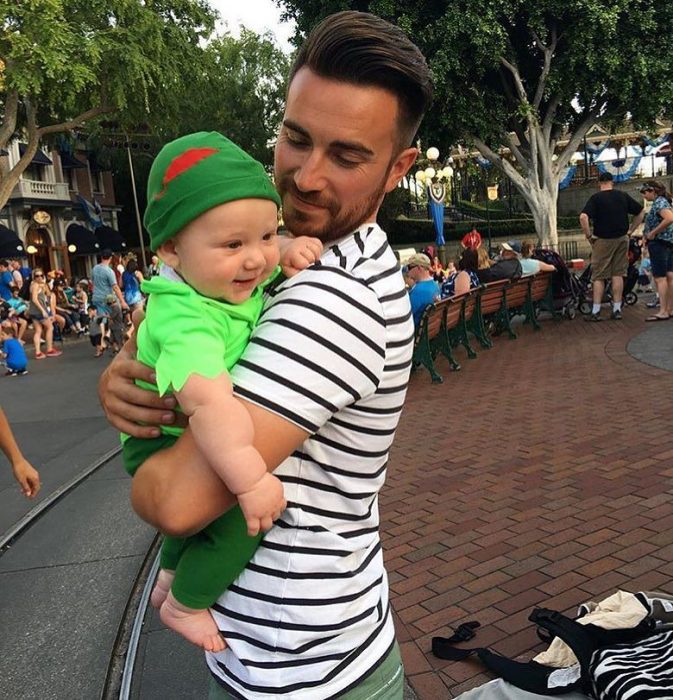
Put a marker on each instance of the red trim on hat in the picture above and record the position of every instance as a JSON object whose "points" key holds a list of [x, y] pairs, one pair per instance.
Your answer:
{"points": [[184, 162]]}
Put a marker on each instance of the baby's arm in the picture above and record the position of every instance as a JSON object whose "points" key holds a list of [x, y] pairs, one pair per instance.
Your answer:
{"points": [[296, 254], [224, 432]]}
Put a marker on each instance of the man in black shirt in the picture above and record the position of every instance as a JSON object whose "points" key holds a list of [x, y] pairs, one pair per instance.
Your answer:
{"points": [[609, 211]]}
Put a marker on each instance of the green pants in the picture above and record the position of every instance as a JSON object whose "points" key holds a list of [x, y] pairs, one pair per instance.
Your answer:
{"points": [[206, 563], [384, 683]]}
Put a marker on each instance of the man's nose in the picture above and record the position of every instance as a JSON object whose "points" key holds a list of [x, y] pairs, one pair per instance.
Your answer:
{"points": [[309, 176]]}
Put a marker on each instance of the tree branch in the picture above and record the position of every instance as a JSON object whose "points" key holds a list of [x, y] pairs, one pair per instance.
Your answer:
{"points": [[516, 152], [548, 122], [9, 118], [548, 55], [499, 162], [575, 139], [75, 121], [521, 90]]}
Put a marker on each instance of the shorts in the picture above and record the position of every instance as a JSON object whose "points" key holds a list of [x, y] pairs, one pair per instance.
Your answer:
{"points": [[96, 340], [609, 258], [661, 257]]}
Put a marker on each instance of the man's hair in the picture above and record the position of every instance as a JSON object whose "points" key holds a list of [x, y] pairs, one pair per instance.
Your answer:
{"points": [[605, 177], [4, 263], [362, 49]]}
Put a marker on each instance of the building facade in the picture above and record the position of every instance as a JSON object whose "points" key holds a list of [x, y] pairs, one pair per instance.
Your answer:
{"points": [[63, 209]]}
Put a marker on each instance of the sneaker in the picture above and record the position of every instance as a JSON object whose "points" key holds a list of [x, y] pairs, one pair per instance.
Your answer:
{"points": [[593, 317], [11, 373], [616, 315], [22, 372], [53, 353], [654, 304], [40, 356]]}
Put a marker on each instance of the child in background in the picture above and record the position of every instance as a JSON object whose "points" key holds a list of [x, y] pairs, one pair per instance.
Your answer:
{"points": [[12, 349], [115, 322], [212, 216], [96, 321], [81, 300]]}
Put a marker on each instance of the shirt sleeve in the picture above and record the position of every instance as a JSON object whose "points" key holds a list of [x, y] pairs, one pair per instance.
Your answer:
{"points": [[590, 208], [186, 339], [634, 207], [320, 346]]}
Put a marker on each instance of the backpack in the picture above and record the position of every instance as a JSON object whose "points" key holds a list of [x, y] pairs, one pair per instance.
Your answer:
{"points": [[613, 664]]}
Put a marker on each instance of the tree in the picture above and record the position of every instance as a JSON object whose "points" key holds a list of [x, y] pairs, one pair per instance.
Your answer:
{"points": [[524, 75], [63, 63]]}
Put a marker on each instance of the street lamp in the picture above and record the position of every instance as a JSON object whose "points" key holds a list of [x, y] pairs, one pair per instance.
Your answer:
{"points": [[492, 194]]}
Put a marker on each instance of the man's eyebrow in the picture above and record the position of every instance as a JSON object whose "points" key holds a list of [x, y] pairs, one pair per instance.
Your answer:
{"points": [[353, 146]]}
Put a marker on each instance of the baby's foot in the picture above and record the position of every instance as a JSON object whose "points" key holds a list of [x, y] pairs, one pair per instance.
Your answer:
{"points": [[161, 587], [196, 626]]}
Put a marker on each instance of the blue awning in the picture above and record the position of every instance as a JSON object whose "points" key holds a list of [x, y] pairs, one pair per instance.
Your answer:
{"points": [[38, 159], [69, 162], [10, 244], [110, 239], [83, 240]]}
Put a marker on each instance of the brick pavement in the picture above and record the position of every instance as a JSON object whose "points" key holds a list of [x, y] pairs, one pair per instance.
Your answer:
{"points": [[538, 474]]}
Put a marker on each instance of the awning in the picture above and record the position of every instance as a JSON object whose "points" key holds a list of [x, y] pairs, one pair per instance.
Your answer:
{"points": [[10, 244], [38, 159], [111, 239], [82, 239], [69, 162]]}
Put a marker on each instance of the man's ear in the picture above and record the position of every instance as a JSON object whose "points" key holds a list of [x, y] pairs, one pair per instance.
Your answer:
{"points": [[168, 253], [405, 159]]}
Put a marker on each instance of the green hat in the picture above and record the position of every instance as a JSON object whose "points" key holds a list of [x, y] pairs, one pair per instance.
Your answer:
{"points": [[196, 173]]}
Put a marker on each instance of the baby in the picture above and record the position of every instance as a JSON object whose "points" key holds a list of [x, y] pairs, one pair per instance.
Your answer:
{"points": [[212, 216], [15, 355]]}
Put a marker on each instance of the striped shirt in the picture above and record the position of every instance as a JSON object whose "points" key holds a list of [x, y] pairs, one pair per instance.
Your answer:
{"points": [[309, 618]]}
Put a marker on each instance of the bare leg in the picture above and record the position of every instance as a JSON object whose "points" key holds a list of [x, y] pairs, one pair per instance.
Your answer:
{"points": [[196, 626], [617, 289], [162, 587], [37, 335], [662, 291], [669, 298], [23, 324], [598, 290], [49, 335]]}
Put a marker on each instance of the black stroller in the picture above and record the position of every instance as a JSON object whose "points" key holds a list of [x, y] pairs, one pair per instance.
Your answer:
{"points": [[630, 280], [565, 287]]}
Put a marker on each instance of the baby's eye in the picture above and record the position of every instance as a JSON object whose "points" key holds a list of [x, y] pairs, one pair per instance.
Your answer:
{"points": [[269, 236], [233, 245]]}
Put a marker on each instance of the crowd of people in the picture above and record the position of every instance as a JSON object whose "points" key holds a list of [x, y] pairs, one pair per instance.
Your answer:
{"points": [[53, 306], [429, 281]]}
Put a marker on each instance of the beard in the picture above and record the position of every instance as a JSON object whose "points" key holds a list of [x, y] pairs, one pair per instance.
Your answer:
{"points": [[341, 220]]}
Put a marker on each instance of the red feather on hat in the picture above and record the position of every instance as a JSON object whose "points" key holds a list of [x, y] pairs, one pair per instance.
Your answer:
{"points": [[184, 162]]}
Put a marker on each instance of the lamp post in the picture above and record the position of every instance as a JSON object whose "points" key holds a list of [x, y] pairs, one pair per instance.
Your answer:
{"points": [[433, 177], [492, 194]]}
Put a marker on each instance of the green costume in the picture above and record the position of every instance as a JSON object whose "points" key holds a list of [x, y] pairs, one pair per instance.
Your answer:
{"points": [[186, 333]]}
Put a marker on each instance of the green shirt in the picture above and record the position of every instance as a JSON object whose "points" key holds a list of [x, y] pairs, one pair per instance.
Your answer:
{"points": [[186, 333]]}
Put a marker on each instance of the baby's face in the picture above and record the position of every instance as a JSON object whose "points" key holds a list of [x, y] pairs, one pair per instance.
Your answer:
{"points": [[229, 250]]}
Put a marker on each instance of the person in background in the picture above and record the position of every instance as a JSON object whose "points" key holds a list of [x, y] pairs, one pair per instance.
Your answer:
{"points": [[508, 266], [465, 278], [64, 310], [96, 321], [471, 240], [6, 281], [39, 312], [658, 236], [425, 290], [153, 267], [132, 278], [25, 474], [17, 314], [105, 282], [81, 300], [483, 265], [15, 269], [529, 265], [115, 323], [12, 349], [609, 211]]}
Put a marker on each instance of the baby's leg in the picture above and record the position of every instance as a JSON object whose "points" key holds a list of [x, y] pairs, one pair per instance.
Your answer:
{"points": [[161, 587], [196, 626]]}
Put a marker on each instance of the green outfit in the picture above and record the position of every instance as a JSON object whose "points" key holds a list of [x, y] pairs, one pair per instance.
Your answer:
{"points": [[185, 333]]}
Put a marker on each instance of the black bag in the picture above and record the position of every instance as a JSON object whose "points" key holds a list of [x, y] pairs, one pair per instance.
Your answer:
{"points": [[617, 664]]}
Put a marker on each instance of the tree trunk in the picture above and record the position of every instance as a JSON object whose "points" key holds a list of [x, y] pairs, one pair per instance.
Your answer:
{"points": [[9, 180], [543, 207]]}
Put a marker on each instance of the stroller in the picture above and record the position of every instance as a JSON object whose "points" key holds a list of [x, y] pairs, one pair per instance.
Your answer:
{"points": [[566, 291], [629, 296]]}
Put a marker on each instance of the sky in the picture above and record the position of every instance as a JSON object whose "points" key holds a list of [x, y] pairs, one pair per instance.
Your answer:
{"points": [[257, 15]]}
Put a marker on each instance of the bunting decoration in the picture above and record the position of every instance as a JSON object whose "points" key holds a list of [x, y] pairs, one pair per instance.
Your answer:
{"points": [[92, 211], [622, 169], [567, 176], [595, 149], [436, 195]]}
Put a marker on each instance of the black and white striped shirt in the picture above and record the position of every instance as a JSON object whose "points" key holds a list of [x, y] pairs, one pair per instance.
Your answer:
{"points": [[309, 617]]}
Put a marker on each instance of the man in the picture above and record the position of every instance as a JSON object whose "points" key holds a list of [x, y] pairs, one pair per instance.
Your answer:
{"points": [[15, 269], [508, 266], [6, 281], [323, 378], [425, 290], [609, 210], [105, 282]]}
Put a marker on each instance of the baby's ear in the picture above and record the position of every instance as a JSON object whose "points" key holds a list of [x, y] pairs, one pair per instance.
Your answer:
{"points": [[168, 253]]}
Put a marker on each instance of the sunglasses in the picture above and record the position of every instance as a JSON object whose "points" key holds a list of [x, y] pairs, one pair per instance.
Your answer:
{"points": [[647, 189], [38, 276]]}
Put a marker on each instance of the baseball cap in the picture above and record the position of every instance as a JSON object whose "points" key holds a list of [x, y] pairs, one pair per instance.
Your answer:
{"points": [[419, 260], [513, 246]]}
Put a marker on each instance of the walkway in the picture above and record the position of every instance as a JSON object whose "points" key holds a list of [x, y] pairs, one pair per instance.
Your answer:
{"points": [[538, 474]]}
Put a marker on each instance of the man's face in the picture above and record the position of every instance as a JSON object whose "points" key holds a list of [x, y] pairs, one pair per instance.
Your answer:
{"points": [[336, 155]]}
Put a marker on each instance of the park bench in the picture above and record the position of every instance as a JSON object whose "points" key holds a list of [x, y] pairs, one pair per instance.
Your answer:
{"points": [[542, 296], [489, 304]]}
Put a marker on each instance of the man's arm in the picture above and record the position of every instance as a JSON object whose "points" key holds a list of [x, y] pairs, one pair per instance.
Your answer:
{"points": [[178, 492], [636, 221], [584, 223]]}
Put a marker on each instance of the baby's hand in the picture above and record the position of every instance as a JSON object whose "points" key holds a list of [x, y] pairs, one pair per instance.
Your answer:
{"points": [[298, 253], [262, 504]]}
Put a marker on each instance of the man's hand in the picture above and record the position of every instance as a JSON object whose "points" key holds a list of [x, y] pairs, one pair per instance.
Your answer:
{"points": [[129, 408]]}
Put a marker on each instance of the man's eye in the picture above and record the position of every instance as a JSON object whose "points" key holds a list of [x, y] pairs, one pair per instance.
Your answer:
{"points": [[297, 142], [346, 162]]}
